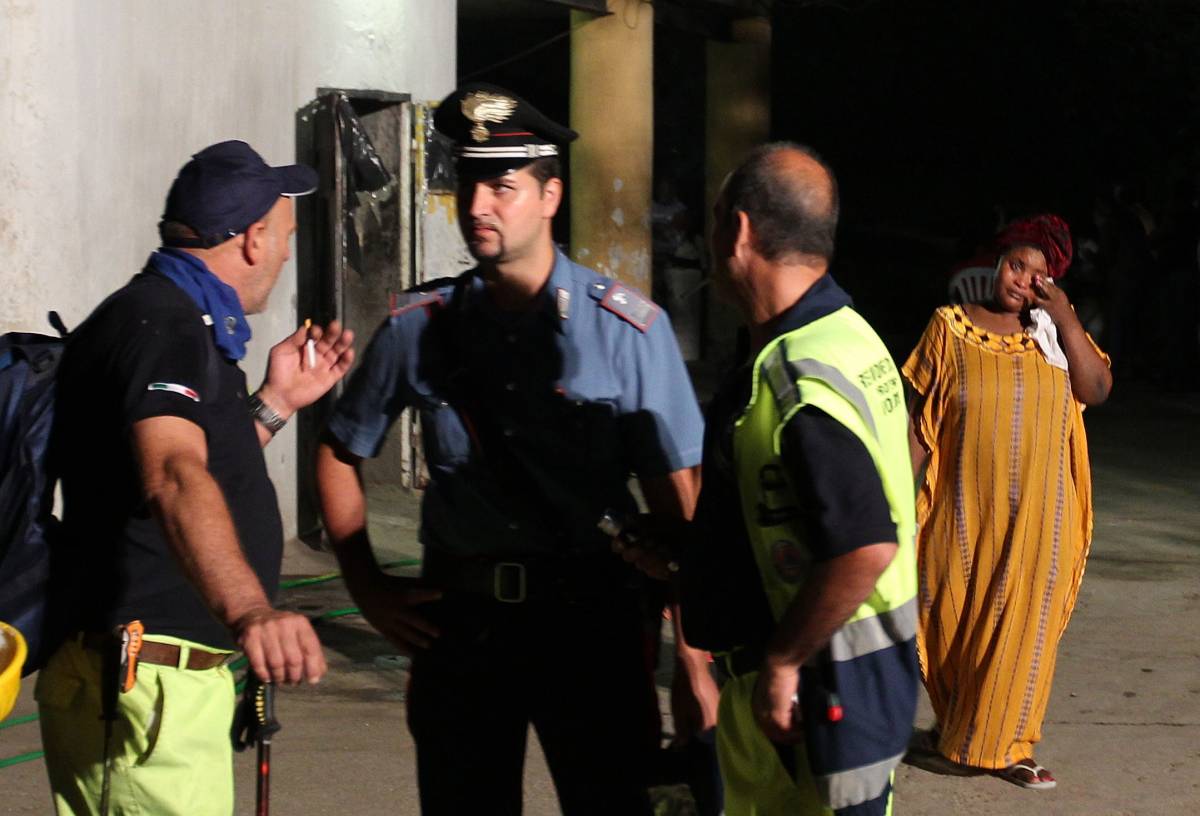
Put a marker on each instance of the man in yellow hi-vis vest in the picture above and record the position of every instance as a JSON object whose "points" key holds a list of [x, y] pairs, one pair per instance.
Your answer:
{"points": [[801, 575]]}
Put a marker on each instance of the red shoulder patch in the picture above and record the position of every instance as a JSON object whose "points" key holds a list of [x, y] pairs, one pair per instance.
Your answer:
{"points": [[403, 302], [630, 305]]}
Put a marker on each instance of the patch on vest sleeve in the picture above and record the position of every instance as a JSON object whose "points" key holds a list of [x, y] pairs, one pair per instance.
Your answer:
{"points": [[630, 305], [403, 302], [788, 559]]}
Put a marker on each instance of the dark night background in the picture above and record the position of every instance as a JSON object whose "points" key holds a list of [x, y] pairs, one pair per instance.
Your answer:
{"points": [[940, 118], [935, 113]]}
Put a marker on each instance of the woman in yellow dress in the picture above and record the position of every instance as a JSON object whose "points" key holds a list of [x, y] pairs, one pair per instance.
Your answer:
{"points": [[1004, 509]]}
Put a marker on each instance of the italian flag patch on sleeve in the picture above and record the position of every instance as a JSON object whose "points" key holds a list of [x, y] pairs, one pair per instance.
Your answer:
{"points": [[175, 388]]}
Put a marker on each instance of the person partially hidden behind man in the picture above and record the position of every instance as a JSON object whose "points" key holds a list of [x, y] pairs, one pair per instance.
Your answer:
{"points": [[170, 518]]}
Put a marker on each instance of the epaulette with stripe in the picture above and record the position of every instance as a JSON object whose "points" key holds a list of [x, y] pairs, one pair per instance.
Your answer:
{"points": [[625, 302], [422, 295], [403, 302]]}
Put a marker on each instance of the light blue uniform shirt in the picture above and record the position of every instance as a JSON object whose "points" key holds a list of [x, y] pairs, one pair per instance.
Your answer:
{"points": [[532, 422]]}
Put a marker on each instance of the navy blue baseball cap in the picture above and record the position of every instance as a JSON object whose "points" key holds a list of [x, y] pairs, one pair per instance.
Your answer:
{"points": [[224, 189]]}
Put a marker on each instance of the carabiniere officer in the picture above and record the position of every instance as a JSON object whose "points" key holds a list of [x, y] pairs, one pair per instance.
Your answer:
{"points": [[541, 387]]}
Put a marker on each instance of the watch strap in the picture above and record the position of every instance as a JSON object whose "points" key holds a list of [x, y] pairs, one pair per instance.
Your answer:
{"points": [[265, 414]]}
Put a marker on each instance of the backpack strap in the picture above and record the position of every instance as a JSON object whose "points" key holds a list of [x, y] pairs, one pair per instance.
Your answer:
{"points": [[56, 322]]}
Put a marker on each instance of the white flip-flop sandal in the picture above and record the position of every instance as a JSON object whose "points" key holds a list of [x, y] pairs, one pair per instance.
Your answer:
{"points": [[1011, 774]]}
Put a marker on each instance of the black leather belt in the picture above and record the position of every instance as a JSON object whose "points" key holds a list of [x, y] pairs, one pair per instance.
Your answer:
{"points": [[520, 579]]}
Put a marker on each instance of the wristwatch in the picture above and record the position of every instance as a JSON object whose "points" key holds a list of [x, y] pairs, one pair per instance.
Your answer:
{"points": [[268, 416]]}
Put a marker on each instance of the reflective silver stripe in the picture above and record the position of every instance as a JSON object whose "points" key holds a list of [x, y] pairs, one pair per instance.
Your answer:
{"points": [[838, 382], [782, 385], [529, 151], [862, 637], [857, 785]]}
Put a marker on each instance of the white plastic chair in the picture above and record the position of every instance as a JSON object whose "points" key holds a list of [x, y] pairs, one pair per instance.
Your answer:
{"points": [[971, 284]]}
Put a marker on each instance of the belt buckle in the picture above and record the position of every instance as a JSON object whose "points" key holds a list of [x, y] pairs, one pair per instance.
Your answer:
{"points": [[505, 573]]}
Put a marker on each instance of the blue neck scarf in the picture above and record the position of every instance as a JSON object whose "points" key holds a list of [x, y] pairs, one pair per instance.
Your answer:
{"points": [[218, 300]]}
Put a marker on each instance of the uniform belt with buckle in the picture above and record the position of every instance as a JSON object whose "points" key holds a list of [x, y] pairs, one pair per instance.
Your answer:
{"points": [[517, 580], [510, 583], [159, 654]]}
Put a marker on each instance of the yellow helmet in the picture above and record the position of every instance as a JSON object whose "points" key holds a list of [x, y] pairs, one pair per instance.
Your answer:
{"points": [[12, 658]]}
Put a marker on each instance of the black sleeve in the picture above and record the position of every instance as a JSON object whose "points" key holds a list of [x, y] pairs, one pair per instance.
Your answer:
{"points": [[163, 368], [842, 503]]}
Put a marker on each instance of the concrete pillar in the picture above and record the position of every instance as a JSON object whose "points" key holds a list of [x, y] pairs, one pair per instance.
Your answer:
{"points": [[738, 119], [612, 162]]}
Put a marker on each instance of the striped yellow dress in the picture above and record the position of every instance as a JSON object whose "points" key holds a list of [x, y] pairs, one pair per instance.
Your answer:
{"points": [[1005, 515]]}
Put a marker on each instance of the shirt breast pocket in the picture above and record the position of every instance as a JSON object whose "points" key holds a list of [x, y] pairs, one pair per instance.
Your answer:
{"points": [[589, 430], [447, 443]]}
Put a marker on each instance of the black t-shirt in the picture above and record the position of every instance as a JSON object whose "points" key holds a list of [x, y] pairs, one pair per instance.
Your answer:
{"points": [[146, 352], [841, 507]]}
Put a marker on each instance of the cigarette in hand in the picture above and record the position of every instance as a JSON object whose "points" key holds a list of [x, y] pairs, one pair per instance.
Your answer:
{"points": [[310, 348]]}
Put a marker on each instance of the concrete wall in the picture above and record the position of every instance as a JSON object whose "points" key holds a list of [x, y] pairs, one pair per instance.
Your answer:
{"points": [[102, 102], [612, 164], [738, 120]]}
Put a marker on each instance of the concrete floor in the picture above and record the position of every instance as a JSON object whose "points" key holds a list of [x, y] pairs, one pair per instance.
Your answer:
{"points": [[1122, 733]]}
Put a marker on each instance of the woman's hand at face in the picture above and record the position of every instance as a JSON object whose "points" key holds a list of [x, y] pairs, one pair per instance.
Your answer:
{"points": [[1048, 296]]}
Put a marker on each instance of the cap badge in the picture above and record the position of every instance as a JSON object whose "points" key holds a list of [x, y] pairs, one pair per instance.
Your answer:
{"points": [[480, 107]]}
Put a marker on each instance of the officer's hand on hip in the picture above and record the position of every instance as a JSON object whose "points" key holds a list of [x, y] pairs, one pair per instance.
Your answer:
{"points": [[776, 703], [389, 602], [652, 563], [280, 646], [647, 543]]}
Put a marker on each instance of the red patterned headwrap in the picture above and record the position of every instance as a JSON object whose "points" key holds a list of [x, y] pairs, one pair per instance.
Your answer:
{"points": [[1047, 232]]}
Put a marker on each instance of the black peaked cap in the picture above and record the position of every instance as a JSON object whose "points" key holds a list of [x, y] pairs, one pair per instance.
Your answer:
{"points": [[495, 131]]}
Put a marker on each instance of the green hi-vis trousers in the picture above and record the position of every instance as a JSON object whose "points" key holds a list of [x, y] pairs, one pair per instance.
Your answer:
{"points": [[170, 749], [756, 782]]}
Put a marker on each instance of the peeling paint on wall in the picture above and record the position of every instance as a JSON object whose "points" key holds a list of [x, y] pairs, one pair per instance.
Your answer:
{"points": [[637, 269], [445, 254], [442, 206], [618, 217], [631, 266], [616, 254]]}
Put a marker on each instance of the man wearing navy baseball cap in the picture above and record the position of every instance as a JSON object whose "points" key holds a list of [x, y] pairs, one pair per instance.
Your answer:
{"points": [[171, 524], [223, 190]]}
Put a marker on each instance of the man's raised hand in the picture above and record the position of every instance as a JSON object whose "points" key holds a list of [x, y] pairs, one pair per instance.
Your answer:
{"points": [[305, 365]]}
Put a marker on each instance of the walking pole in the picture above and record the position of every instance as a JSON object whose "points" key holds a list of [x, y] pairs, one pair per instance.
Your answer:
{"points": [[256, 723], [268, 725]]}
